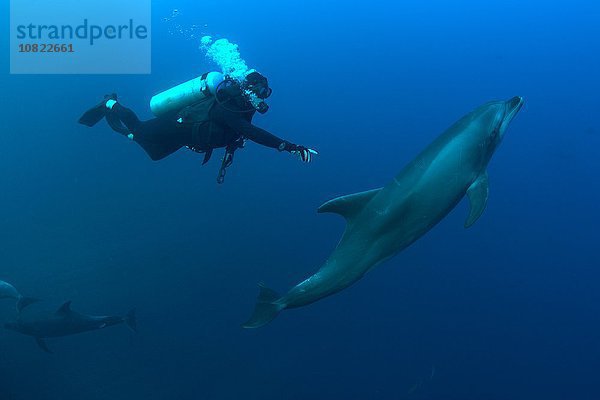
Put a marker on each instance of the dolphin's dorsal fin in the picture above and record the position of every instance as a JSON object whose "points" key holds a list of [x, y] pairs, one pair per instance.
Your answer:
{"points": [[478, 195], [64, 309], [350, 205]]}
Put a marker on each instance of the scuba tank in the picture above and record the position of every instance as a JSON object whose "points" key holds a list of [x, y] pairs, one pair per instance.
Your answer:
{"points": [[186, 94], [191, 102]]}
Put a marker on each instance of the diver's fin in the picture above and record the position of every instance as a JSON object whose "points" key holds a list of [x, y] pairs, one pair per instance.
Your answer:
{"points": [[478, 195], [64, 309], [266, 308], [40, 342], [94, 115], [131, 321], [350, 205], [25, 302]]}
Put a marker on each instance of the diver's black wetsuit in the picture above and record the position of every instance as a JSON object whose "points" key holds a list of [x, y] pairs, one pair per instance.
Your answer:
{"points": [[230, 119]]}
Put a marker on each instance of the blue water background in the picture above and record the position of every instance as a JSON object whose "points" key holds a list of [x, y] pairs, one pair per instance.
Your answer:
{"points": [[508, 309]]}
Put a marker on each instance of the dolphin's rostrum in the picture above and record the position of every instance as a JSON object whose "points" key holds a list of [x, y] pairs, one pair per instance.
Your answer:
{"points": [[383, 222]]}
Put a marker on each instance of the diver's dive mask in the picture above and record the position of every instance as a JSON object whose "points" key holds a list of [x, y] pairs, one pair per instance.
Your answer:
{"points": [[256, 88], [262, 92]]}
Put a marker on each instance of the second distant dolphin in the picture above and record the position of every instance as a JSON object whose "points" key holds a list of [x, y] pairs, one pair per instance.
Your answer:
{"points": [[65, 322], [383, 222]]}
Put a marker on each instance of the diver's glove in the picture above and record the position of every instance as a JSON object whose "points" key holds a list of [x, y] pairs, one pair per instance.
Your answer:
{"points": [[304, 153]]}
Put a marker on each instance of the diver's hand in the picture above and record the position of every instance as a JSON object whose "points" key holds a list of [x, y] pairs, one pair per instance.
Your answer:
{"points": [[305, 154]]}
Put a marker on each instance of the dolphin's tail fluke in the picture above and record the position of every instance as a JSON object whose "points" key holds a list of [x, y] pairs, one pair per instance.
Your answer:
{"points": [[23, 302], [266, 308], [130, 320]]}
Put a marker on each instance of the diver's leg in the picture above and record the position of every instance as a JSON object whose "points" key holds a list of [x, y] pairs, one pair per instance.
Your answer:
{"points": [[160, 137]]}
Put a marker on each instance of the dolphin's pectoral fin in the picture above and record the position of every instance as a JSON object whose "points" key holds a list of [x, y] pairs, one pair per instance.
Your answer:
{"points": [[478, 195], [350, 205], [64, 309], [40, 342]]}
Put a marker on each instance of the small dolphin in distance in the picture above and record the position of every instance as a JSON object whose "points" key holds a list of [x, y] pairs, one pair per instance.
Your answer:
{"points": [[383, 222], [65, 322], [8, 291]]}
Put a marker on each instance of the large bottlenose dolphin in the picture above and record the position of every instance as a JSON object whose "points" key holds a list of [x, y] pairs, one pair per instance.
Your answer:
{"points": [[383, 222], [65, 322], [8, 291]]}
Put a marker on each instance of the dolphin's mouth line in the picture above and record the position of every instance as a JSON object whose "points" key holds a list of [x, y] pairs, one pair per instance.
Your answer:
{"points": [[513, 109]]}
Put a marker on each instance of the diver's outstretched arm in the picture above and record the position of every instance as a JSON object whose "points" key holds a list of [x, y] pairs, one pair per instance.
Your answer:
{"points": [[254, 133], [265, 138]]}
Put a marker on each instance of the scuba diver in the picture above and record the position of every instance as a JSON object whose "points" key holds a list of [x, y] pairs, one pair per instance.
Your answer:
{"points": [[206, 113]]}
